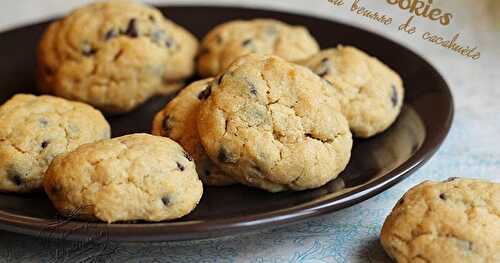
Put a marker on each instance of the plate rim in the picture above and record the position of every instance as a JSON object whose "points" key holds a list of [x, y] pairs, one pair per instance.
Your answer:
{"points": [[198, 230]]}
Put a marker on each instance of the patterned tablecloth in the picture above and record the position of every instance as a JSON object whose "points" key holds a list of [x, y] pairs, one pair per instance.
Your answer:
{"points": [[472, 148]]}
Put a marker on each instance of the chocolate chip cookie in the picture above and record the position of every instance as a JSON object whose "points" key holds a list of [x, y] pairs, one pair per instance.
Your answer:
{"points": [[134, 177], [178, 121], [453, 221], [34, 130], [114, 55], [228, 41], [370, 93], [274, 125]]}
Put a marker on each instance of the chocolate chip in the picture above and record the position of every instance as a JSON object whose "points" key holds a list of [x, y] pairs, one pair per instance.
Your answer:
{"points": [[45, 144], [131, 30], [219, 80], [17, 180], [401, 201], [55, 189], [394, 96], [322, 73], [165, 200], [252, 88], [152, 18], [222, 155], [204, 94], [43, 122], [451, 179], [247, 42], [88, 50], [15, 176], [328, 82], [308, 135], [159, 36], [443, 196], [112, 33], [166, 125], [323, 67], [225, 156], [169, 43], [180, 166], [188, 156], [48, 70]]}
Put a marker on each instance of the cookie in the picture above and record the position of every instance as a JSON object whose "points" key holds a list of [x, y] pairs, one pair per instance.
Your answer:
{"points": [[178, 121], [274, 125], [370, 93], [228, 41], [114, 55], [133, 177], [453, 221], [34, 130]]}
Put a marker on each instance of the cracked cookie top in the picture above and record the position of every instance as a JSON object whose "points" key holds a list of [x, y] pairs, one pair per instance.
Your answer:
{"points": [[453, 221], [370, 93], [114, 55], [34, 130], [274, 125], [228, 41], [133, 177], [178, 121]]}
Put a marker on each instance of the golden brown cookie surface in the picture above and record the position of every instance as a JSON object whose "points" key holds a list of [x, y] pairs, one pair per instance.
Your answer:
{"points": [[34, 130], [178, 121], [114, 55], [452, 221], [133, 177], [228, 41], [274, 125], [370, 93]]}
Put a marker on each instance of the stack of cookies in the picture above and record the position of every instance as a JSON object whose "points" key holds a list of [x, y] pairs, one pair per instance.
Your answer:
{"points": [[112, 56], [275, 112], [262, 122], [272, 111]]}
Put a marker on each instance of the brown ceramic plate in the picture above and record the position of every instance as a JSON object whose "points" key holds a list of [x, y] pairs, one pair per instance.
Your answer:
{"points": [[376, 164]]}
